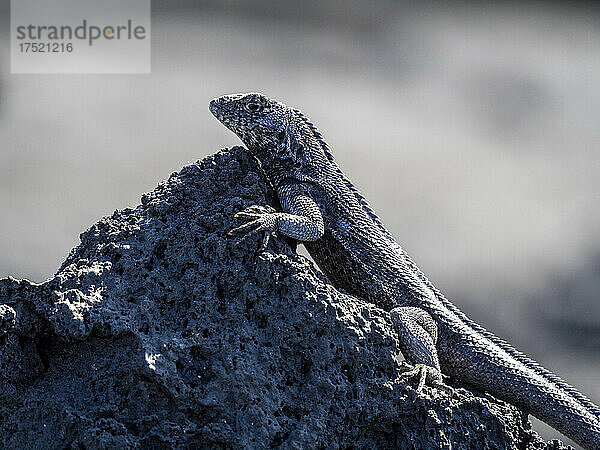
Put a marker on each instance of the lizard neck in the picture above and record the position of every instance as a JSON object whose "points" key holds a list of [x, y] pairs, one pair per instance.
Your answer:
{"points": [[276, 167]]}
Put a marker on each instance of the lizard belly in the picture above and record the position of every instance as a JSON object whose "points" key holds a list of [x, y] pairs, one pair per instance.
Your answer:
{"points": [[360, 269], [337, 263]]}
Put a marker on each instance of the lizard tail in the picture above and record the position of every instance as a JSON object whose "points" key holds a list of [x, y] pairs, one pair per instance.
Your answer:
{"points": [[549, 398], [529, 385], [522, 358], [469, 355], [517, 355]]}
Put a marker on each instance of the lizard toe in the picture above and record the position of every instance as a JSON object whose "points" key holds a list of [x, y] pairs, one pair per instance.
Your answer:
{"points": [[426, 375]]}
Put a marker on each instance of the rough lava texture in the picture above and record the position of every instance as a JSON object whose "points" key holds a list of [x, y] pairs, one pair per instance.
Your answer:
{"points": [[158, 332]]}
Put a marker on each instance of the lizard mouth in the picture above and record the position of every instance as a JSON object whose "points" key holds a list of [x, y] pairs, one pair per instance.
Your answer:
{"points": [[218, 110], [215, 108], [221, 110]]}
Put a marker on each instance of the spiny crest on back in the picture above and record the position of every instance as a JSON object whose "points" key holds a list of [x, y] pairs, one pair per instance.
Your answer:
{"points": [[359, 197], [318, 136]]}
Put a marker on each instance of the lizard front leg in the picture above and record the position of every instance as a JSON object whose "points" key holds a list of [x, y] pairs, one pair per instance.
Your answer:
{"points": [[417, 332], [301, 220]]}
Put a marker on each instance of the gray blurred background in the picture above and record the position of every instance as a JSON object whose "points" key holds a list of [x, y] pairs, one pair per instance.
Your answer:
{"points": [[473, 130]]}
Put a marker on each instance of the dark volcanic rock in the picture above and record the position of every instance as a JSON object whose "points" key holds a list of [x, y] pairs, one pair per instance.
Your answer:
{"points": [[158, 332]]}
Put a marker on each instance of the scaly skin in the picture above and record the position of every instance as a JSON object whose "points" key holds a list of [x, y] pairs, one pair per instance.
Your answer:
{"points": [[324, 211]]}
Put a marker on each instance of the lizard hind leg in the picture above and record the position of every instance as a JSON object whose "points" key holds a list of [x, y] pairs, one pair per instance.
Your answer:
{"points": [[417, 334]]}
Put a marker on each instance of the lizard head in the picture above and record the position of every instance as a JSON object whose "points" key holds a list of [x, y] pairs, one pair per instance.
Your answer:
{"points": [[281, 138], [257, 120]]}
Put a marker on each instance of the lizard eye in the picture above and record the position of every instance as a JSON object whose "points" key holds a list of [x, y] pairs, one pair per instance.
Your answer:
{"points": [[253, 107]]}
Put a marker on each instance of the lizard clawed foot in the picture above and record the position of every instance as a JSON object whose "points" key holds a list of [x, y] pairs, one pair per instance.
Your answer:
{"points": [[262, 219], [417, 333], [426, 375]]}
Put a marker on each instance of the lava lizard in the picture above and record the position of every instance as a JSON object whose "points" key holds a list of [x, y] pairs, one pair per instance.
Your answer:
{"points": [[323, 210]]}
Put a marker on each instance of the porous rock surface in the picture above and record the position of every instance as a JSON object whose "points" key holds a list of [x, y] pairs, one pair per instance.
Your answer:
{"points": [[158, 332]]}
